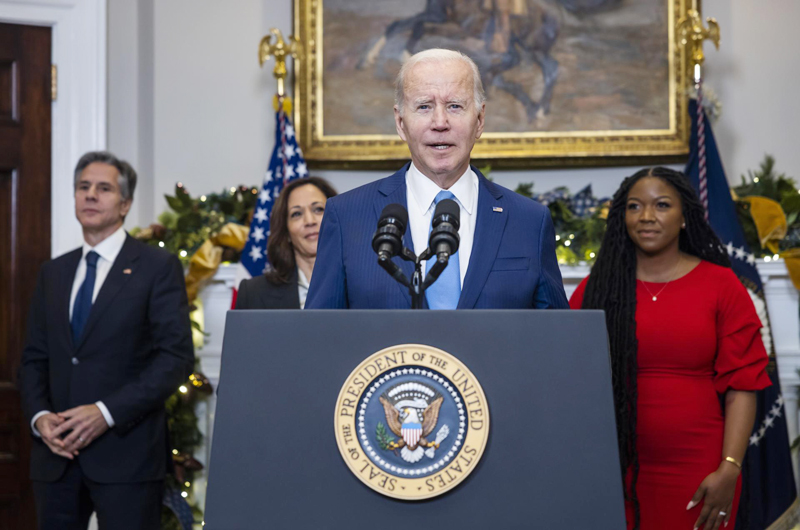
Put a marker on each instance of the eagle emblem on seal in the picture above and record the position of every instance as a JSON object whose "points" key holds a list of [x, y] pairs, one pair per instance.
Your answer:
{"points": [[412, 412]]}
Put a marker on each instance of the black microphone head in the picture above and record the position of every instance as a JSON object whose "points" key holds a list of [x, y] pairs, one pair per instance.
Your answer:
{"points": [[395, 211], [387, 241], [448, 211]]}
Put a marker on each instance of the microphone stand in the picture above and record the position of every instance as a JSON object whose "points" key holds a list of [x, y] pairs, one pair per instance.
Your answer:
{"points": [[416, 286]]}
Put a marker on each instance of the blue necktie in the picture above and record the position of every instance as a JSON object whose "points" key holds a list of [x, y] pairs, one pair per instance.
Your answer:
{"points": [[83, 301], [446, 290]]}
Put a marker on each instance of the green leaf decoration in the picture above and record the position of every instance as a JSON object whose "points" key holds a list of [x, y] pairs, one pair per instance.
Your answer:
{"points": [[525, 189], [175, 203], [578, 238], [183, 197], [382, 437]]}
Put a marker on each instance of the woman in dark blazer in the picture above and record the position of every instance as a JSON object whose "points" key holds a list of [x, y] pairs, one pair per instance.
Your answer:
{"points": [[291, 247]]}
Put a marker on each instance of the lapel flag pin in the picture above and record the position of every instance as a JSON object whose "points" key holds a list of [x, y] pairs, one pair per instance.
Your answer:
{"points": [[497, 209], [126, 271]]}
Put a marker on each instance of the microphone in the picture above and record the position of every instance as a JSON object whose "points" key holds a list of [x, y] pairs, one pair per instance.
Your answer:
{"points": [[387, 241], [444, 239]]}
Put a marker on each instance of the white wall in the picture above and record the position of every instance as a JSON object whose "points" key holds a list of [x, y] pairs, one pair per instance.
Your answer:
{"points": [[188, 102], [756, 73]]}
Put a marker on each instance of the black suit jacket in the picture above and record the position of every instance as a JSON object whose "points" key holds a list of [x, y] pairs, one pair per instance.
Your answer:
{"points": [[260, 293], [135, 351]]}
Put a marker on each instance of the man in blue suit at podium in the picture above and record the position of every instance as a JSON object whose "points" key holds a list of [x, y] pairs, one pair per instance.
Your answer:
{"points": [[506, 258]]}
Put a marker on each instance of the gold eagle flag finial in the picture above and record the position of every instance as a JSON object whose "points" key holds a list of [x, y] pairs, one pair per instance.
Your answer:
{"points": [[281, 50], [691, 34]]}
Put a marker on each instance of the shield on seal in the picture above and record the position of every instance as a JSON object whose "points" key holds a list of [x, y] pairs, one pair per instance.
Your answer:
{"points": [[411, 433]]}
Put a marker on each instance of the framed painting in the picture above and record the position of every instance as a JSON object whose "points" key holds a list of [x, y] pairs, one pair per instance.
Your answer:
{"points": [[568, 82]]}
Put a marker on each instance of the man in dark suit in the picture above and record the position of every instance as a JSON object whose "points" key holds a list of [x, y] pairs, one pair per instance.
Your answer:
{"points": [[108, 341], [506, 258]]}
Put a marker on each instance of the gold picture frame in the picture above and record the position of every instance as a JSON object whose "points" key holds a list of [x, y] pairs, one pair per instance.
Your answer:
{"points": [[331, 83]]}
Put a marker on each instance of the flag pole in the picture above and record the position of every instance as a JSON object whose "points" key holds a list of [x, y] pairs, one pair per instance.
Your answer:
{"points": [[691, 34], [281, 50], [285, 164]]}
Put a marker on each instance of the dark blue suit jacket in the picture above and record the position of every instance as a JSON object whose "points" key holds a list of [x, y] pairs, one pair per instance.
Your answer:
{"points": [[136, 349], [513, 263]]}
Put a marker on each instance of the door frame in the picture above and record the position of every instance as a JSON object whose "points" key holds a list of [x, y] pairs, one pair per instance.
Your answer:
{"points": [[79, 111]]}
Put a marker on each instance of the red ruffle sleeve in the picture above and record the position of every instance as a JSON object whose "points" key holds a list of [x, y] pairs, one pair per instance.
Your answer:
{"points": [[741, 360]]}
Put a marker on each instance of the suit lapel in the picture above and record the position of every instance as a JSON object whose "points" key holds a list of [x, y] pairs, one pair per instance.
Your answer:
{"points": [[66, 277], [393, 190], [489, 227], [113, 283]]}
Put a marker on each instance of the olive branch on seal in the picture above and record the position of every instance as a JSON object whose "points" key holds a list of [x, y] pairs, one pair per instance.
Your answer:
{"points": [[384, 440]]}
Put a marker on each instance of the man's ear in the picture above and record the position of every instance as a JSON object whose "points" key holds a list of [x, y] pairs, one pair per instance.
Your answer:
{"points": [[398, 123], [125, 207], [481, 121]]}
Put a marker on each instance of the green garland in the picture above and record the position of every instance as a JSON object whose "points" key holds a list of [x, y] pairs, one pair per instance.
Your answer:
{"points": [[192, 220], [578, 237], [766, 182]]}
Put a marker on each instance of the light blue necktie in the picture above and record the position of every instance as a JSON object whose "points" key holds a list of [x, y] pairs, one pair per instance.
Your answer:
{"points": [[83, 301], [446, 290]]}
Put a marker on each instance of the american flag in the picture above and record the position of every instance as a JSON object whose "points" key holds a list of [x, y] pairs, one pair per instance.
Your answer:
{"points": [[285, 165], [768, 488]]}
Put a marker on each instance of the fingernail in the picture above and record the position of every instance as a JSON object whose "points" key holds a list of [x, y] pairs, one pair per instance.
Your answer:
{"points": [[690, 506]]}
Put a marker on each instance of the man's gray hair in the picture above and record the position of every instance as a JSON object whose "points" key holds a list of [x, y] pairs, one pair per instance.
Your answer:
{"points": [[127, 175], [438, 55]]}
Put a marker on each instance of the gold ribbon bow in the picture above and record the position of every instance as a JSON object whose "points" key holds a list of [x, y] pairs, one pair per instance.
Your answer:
{"points": [[205, 261], [770, 221]]}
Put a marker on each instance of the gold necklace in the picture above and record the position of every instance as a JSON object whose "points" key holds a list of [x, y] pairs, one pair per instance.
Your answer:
{"points": [[672, 277]]}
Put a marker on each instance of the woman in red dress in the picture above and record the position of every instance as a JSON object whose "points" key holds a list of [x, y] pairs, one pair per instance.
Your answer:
{"points": [[686, 354]]}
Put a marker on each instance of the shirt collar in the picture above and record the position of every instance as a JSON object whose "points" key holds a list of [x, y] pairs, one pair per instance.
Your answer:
{"points": [[424, 190], [109, 247], [301, 278]]}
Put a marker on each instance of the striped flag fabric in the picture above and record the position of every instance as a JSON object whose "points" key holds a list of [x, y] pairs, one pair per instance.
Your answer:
{"points": [[285, 164], [768, 487]]}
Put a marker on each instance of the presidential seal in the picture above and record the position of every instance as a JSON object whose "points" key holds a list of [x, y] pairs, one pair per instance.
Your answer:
{"points": [[411, 421]]}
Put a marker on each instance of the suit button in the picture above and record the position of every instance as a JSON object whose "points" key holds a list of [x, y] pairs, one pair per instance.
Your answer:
{"points": [[75, 360]]}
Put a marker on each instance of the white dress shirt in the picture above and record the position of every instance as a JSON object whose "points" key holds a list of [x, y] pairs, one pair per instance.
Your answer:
{"points": [[420, 193], [302, 287], [107, 249]]}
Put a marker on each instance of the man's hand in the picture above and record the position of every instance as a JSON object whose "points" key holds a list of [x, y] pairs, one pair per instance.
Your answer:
{"points": [[46, 425], [86, 423]]}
